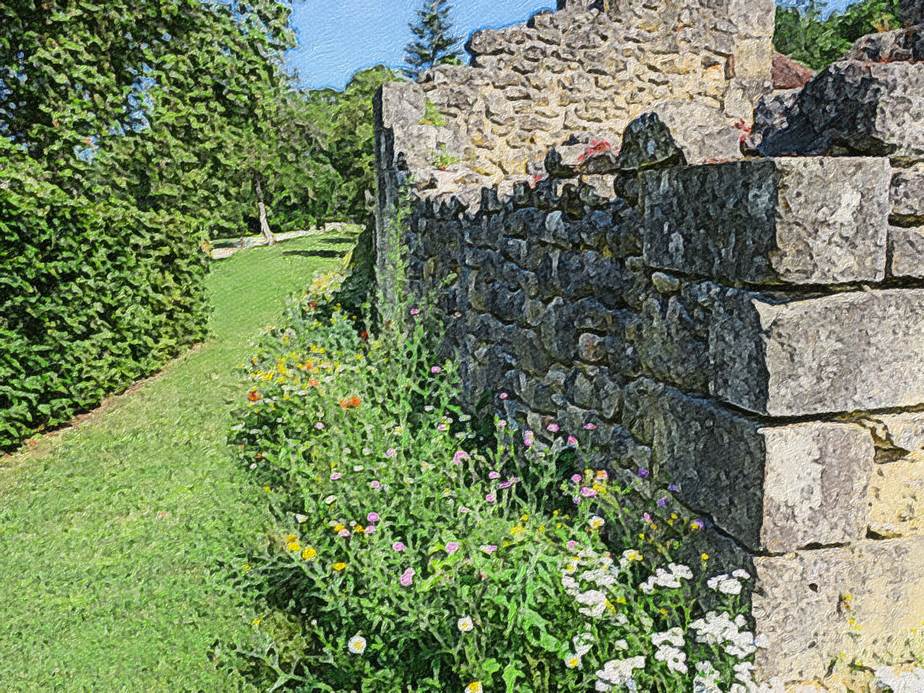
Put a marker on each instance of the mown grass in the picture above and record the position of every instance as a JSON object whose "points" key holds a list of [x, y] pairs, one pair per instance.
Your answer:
{"points": [[113, 533]]}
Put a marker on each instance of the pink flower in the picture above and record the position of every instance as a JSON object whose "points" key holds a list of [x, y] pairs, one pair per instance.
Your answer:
{"points": [[572, 442], [442, 428], [415, 312], [344, 533], [398, 547], [391, 452], [460, 456], [553, 427], [588, 492], [489, 548], [494, 475], [647, 517], [375, 485], [576, 478], [464, 510], [370, 529], [501, 425], [572, 545], [372, 517], [436, 370], [529, 438], [336, 476], [504, 396], [452, 547], [590, 427], [491, 498], [507, 484], [407, 577], [319, 426]]}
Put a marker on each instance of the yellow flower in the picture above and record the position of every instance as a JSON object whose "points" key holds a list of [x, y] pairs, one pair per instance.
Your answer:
{"points": [[359, 529], [339, 527], [704, 557], [621, 600], [339, 566], [474, 687], [524, 518], [572, 661], [294, 546], [517, 530], [310, 553], [246, 567], [291, 537], [633, 555], [257, 621]]}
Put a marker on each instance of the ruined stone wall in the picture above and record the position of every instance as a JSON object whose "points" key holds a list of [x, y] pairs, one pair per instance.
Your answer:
{"points": [[594, 66], [751, 330]]}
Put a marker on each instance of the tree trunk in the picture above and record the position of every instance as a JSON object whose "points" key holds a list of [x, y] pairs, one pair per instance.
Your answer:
{"points": [[264, 224]]}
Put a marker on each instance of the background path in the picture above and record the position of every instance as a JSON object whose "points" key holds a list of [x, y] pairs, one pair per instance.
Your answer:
{"points": [[112, 533]]}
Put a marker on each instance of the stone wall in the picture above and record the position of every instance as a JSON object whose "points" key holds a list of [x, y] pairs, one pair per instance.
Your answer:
{"points": [[751, 330], [592, 66]]}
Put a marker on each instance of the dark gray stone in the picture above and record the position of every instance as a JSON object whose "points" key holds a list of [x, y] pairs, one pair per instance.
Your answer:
{"points": [[779, 221]]}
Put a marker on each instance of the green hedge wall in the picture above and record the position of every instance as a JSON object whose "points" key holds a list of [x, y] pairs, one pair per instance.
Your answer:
{"points": [[93, 296]]}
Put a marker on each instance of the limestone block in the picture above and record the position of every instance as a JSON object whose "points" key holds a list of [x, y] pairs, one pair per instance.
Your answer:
{"points": [[774, 488], [904, 432], [906, 248], [785, 356], [908, 194], [866, 601], [781, 221], [896, 498]]}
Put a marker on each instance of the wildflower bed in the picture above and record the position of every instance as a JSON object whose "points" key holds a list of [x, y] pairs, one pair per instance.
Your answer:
{"points": [[418, 549]]}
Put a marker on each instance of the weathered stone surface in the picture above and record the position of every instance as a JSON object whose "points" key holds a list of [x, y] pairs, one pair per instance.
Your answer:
{"points": [[906, 249], [847, 352], [896, 498], [647, 143], [794, 221], [902, 45], [867, 599], [858, 108], [775, 488], [912, 11], [789, 73], [908, 194], [904, 432]]}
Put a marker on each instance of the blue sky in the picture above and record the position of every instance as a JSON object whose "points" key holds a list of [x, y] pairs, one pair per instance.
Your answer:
{"points": [[339, 37]]}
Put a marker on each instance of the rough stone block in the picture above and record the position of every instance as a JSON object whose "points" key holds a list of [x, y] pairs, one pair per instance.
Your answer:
{"points": [[906, 250], [908, 194], [781, 221], [774, 488], [856, 107], [865, 600], [896, 498], [853, 351]]}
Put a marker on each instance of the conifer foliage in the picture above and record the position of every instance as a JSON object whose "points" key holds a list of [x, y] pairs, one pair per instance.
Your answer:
{"points": [[434, 43]]}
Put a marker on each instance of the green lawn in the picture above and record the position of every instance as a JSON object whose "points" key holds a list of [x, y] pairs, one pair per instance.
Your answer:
{"points": [[113, 532]]}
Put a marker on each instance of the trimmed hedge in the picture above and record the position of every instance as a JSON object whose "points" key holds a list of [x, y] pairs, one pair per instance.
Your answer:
{"points": [[93, 296]]}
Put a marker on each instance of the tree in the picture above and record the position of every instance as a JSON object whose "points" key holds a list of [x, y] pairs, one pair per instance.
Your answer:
{"points": [[807, 33], [434, 43]]}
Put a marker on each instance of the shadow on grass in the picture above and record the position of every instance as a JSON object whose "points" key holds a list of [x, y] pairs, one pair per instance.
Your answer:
{"points": [[315, 253]]}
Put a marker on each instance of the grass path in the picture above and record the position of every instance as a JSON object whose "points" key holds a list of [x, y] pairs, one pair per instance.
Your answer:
{"points": [[111, 533]]}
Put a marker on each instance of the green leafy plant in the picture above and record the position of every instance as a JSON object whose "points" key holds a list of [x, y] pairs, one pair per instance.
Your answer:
{"points": [[432, 115], [412, 552], [443, 159]]}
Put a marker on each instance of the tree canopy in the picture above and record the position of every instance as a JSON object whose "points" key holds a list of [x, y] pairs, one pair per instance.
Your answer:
{"points": [[805, 32], [433, 43]]}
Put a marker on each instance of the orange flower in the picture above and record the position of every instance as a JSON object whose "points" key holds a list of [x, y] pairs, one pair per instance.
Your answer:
{"points": [[314, 383], [308, 365], [353, 402], [254, 396]]}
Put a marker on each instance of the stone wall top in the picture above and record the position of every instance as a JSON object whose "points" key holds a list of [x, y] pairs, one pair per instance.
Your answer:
{"points": [[588, 70]]}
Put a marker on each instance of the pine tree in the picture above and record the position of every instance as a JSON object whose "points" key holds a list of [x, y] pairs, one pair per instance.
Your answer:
{"points": [[434, 43]]}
